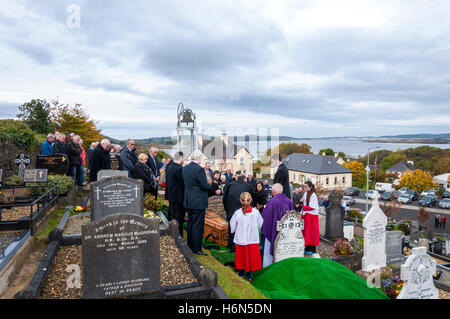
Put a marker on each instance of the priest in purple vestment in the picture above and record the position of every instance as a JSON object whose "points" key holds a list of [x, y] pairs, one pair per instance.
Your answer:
{"points": [[272, 213]]}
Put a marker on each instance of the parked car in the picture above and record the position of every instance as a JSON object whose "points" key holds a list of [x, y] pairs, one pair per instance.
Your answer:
{"points": [[384, 187], [396, 194], [445, 203], [404, 199], [349, 200], [386, 196], [428, 192], [352, 191], [371, 194], [403, 190], [446, 195], [428, 201], [414, 194]]}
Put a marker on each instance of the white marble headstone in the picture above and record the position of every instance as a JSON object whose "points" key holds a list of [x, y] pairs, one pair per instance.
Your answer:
{"points": [[417, 273], [322, 223], [374, 224], [104, 173], [289, 242]]}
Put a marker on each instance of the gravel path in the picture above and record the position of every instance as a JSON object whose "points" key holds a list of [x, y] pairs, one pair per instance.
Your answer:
{"points": [[174, 270], [17, 212], [6, 239]]}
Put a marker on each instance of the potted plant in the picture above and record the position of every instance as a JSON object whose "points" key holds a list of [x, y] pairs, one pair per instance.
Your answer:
{"points": [[342, 248]]}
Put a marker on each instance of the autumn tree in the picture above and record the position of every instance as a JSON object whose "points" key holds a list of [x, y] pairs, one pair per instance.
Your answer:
{"points": [[74, 119], [417, 180], [36, 114], [359, 173], [286, 149]]}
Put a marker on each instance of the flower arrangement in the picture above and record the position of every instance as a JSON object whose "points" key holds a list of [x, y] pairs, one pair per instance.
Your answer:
{"points": [[391, 286], [6, 197], [150, 214], [342, 248], [78, 210]]}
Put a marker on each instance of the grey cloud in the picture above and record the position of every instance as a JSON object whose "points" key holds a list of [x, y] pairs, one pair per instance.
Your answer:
{"points": [[38, 53], [8, 110]]}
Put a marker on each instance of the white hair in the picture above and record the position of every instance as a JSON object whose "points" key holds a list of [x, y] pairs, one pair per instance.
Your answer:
{"points": [[50, 135], [277, 188], [153, 148], [105, 141]]}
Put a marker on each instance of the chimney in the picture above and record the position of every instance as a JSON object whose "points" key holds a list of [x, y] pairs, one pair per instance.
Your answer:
{"points": [[336, 155]]}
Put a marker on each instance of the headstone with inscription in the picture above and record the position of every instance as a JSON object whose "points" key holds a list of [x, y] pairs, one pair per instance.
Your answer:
{"points": [[414, 233], [289, 241], [56, 164], [118, 194], [394, 252], [121, 256], [115, 161], [35, 175], [215, 205], [22, 161], [374, 224], [417, 273], [110, 173]]}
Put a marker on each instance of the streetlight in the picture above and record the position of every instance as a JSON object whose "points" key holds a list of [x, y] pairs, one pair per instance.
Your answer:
{"points": [[367, 177]]}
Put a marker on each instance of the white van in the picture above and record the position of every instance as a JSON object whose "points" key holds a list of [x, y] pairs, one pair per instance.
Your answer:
{"points": [[384, 187]]}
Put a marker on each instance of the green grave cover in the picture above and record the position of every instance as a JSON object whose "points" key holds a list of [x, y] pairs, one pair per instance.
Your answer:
{"points": [[312, 278]]}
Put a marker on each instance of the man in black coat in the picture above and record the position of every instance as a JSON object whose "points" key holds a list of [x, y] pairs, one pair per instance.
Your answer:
{"points": [[251, 181], [128, 157], [99, 159], [231, 200], [282, 175], [60, 145], [74, 153], [196, 189], [175, 190], [153, 163]]}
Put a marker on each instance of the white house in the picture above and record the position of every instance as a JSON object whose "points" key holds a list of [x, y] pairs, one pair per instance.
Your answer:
{"points": [[442, 180]]}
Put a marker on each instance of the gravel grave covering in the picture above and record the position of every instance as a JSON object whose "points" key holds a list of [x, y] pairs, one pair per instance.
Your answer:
{"points": [[16, 213], [73, 225], [6, 239], [174, 270], [325, 250]]}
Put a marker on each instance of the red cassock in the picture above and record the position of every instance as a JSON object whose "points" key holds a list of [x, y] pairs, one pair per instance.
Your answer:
{"points": [[310, 227], [248, 257]]}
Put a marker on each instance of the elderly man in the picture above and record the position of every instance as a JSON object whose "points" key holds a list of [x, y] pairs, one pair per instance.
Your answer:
{"points": [[296, 197], [175, 190], [251, 181], [47, 148], [196, 189], [228, 175], [129, 158], [153, 163], [99, 159], [60, 145], [74, 152], [275, 209]]}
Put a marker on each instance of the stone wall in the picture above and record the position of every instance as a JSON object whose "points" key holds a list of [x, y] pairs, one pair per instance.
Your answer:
{"points": [[8, 154]]}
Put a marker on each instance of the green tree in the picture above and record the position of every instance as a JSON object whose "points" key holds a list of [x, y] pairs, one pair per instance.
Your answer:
{"points": [[327, 151], [392, 159], [36, 114], [286, 149]]}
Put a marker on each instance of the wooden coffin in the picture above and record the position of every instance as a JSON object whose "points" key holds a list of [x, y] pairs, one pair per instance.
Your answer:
{"points": [[217, 227]]}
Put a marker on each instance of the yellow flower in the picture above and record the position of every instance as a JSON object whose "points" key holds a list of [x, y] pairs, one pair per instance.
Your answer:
{"points": [[78, 208]]}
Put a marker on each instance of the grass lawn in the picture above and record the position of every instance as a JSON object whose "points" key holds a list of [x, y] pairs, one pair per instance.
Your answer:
{"points": [[231, 283], [42, 237]]}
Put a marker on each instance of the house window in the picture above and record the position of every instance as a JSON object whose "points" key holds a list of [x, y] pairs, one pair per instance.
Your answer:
{"points": [[343, 180], [335, 180], [242, 161], [327, 180]]}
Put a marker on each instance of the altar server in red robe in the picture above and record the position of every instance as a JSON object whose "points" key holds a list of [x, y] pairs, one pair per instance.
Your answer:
{"points": [[310, 215], [245, 224]]}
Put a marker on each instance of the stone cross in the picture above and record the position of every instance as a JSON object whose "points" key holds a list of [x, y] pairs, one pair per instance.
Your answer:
{"points": [[22, 160], [97, 191], [136, 189], [417, 273]]}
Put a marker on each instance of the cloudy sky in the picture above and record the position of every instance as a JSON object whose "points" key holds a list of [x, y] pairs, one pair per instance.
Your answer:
{"points": [[312, 68]]}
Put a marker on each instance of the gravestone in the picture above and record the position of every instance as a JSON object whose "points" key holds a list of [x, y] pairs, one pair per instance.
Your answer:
{"points": [[115, 161], [349, 230], [289, 241], [110, 173], [215, 205], [322, 223], [447, 247], [417, 273], [394, 252], [22, 161], [414, 233], [118, 194], [334, 225], [374, 224], [56, 164], [1, 177], [35, 175], [121, 256]]}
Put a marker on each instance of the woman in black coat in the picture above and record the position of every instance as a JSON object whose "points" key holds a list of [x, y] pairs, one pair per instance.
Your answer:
{"points": [[143, 172], [259, 198]]}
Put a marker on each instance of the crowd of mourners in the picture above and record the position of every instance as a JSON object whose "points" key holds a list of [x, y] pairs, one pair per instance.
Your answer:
{"points": [[251, 205]]}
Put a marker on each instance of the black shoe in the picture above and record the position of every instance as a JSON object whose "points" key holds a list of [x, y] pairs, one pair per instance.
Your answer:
{"points": [[200, 253]]}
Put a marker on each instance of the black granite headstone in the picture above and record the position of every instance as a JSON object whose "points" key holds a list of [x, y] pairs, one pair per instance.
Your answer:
{"points": [[394, 252], [118, 194], [56, 164], [35, 175], [334, 223], [115, 161], [121, 256]]}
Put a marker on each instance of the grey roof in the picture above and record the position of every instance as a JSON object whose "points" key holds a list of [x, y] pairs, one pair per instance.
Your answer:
{"points": [[314, 164], [217, 149], [402, 167]]}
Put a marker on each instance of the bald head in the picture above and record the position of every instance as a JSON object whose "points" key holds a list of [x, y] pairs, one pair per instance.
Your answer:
{"points": [[277, 189]]}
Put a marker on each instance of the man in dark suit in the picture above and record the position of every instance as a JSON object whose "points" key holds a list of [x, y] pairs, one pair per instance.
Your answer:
{"points": [[228, 175], [175, 190], [251, 181], [196, 189], [129, 157], [153, 163], [99, 159], [231, 200], [282, 175]]}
